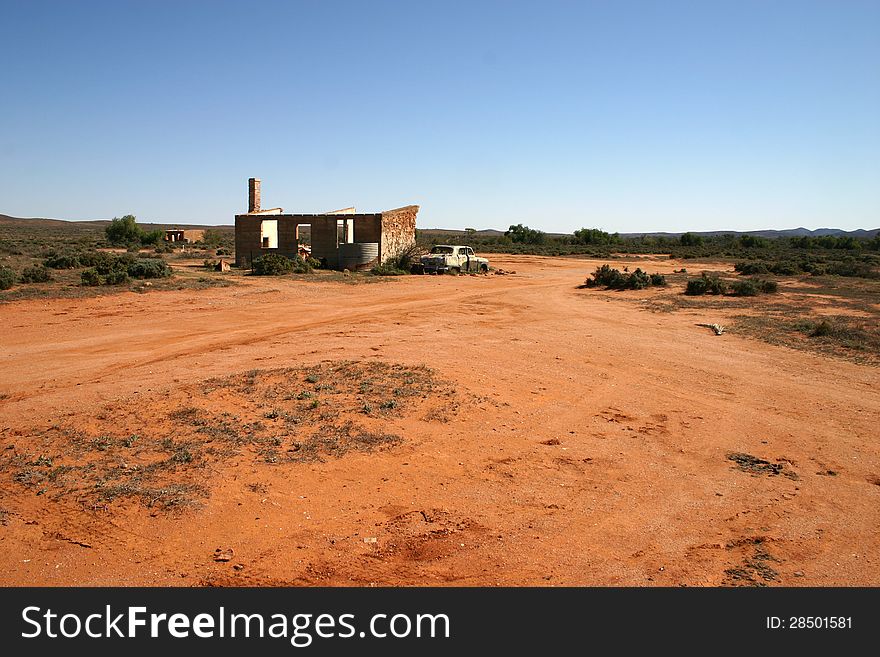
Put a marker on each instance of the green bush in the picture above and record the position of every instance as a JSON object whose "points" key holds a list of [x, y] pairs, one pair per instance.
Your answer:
{"points": [[104, 263], [62, 261], [153, 237], [746, 288], [706, 284], [148, 268], [116, 277], [272, 264], [615, 280], [750, 268], [35, 274], [95, 259], [7, 278], [90, 277], [767, 287], [852, 268]]}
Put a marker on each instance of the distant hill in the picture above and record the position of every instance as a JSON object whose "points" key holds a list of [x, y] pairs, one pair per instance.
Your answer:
{"points": [[791, 232], [99, 224]]}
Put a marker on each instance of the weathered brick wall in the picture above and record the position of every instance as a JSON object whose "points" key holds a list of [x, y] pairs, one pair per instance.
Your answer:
{"points": [[253, 195], [194, 235], [324, 239], [247, 238], [398, 231], [368, 228], [287, 237], [393, 230]]}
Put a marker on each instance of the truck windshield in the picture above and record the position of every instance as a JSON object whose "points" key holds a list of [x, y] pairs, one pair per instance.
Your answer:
{"points": [[442, 249]]}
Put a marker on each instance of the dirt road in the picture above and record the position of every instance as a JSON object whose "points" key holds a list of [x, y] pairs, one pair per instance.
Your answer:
{"points": [[592, 442]]}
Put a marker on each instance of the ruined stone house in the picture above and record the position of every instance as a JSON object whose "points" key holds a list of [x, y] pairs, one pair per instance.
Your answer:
{"points": [[342, 239], [186, 236]]}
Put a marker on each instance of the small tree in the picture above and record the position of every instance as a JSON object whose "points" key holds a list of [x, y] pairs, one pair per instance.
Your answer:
{"points": [[520, 234], [124, 231], [689, 239]]}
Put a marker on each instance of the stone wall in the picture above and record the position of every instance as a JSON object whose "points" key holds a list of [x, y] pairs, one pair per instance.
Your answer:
{"points": [[398, 231]]}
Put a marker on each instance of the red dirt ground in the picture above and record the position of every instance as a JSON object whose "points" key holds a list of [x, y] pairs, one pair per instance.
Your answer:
{"points": [[590, 447]]}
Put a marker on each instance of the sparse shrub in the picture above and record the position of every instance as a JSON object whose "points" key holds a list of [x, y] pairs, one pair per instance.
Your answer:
{"points": [[404, 261], [62, 261], [786, 268], [750, 268], [706, 284], [149, 268], [95, 259], [822, 329], [272, 264], [7, 278], [387, 268], [90, 277], [615, 280], [314, 263], [35, 274], [852, 268], [209, 264], [745, 288], [767, 287], [116, 277], [221, 252], [301, 266]]}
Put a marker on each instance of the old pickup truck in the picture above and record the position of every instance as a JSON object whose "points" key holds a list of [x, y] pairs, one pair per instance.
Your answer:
{"points": [[445, 259]]}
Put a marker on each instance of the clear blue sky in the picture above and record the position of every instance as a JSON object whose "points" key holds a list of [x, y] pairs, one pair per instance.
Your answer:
{"points": [[628, 116]]}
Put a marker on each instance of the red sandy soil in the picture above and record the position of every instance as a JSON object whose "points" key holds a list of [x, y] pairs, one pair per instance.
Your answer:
{"points": [[592, 448]]}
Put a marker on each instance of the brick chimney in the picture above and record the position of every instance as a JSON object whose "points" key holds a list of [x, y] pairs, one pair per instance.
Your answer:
{"points": [[253, 195]]}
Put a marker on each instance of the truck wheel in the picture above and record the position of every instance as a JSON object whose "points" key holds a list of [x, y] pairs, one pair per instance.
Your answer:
{"points": [[455, 271], [484, 269]]}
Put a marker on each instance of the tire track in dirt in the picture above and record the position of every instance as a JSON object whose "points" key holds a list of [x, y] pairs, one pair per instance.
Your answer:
{"points": [[218, 340]]}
